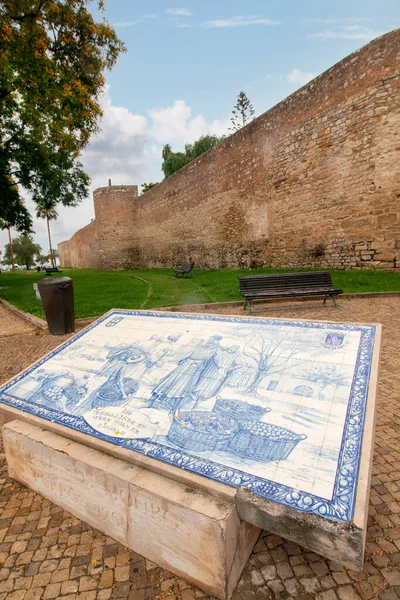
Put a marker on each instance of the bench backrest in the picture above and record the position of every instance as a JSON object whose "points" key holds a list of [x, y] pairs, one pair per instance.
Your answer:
{"points": [[278, 281], [187, 268]]}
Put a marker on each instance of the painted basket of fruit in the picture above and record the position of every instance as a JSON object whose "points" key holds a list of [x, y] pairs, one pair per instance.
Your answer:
{"points": [[264, 441], [239, 410], [201, 430]]}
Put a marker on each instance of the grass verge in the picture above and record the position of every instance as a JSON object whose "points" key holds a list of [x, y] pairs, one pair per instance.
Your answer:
{"points": [[96, 292]]}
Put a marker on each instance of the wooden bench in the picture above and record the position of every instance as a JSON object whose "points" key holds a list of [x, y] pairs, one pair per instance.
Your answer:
{"points": [[185, 270], [287, 285], [50, 270]]}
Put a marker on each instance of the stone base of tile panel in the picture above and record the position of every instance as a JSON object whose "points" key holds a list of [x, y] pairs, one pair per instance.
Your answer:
{"points": [[195, 535], [340, 542]]}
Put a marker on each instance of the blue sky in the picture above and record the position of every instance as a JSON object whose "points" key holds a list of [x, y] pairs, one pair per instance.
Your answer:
{"points": [[208, 51], [187, 62]]}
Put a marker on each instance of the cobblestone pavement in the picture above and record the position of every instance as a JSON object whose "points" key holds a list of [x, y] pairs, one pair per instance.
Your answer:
{"points": [[47, 553]]}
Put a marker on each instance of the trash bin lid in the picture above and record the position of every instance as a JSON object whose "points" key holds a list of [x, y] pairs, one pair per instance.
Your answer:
{"points": [[53, 281]]}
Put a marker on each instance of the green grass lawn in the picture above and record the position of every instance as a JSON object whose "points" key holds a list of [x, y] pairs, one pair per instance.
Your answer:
{"points": [[98, 291]]}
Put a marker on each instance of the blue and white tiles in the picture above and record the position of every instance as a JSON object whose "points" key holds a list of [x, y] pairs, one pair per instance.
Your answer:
{"points": [[275, 406]]}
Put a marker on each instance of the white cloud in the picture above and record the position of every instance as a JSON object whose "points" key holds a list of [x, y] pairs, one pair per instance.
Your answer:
{"points": [[126, 23], [351, 32], [134, 22], [179, 12], [175, 124], [300, 77], [239, 21], [336, 21], [321, 21], [127, 151]]}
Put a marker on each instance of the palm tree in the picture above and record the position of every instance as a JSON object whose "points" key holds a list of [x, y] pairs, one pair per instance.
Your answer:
{"points": [[6, 225], [11, 248], [46, 209]]}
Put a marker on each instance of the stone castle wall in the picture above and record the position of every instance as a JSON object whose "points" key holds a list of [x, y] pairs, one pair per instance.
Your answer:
{"points": [[106, 243], [313, 181], [79, 251]]}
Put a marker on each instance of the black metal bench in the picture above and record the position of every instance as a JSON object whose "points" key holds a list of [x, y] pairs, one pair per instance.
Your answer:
{"points": [[50, 270], [287, 285], [185, 270]]}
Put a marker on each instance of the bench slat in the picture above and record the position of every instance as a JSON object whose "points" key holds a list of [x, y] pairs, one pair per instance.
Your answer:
{"points": [[294, 292]]}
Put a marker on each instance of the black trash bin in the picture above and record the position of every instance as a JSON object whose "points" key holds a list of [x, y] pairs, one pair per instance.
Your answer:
{"points": [[57, 295]]}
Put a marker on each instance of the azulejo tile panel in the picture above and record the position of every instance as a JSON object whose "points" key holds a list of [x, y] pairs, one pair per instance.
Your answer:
{"points": [[274, 406]]}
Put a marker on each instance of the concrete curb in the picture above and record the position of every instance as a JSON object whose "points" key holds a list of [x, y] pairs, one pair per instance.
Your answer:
{"points": [[27, 316], [37, 321]]}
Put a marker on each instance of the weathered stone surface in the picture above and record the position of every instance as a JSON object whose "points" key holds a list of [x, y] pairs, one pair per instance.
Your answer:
{"points": [[339, 541], [313, 181], [195, 535]]}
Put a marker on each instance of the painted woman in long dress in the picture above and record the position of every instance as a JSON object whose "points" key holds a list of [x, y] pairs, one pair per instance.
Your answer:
{"points": [[240, 377], [124, 368], [176, 389], [216, 372]]}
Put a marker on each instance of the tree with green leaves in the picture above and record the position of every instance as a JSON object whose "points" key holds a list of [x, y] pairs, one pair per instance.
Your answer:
{"points": [[42, 259], [53, 55], [242, 112], [25, 250], [173, 161], [46, 209], [147, 186], [206, 142], [13, 212]]}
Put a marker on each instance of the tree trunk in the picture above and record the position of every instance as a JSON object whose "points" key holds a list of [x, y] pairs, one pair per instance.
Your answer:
{"points": [[254, 386], [51, 249], [11, 249]]}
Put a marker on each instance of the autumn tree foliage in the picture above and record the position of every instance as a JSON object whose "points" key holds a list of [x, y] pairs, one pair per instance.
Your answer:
{"points": [[53, 55]]}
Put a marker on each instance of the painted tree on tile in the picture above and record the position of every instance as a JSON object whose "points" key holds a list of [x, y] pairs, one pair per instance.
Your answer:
{"points": [[268, 357]]}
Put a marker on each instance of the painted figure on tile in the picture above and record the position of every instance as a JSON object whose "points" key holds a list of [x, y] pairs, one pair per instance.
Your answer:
{"points": [[241, 376], [219, 366], [162, 347], [124, 368], [58, 391], [176, 389]]}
